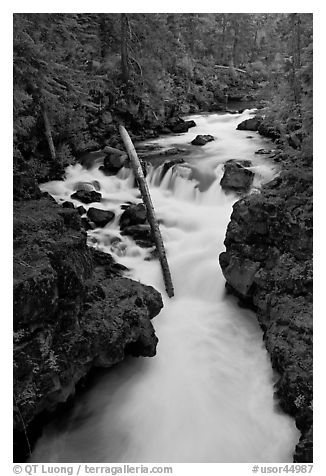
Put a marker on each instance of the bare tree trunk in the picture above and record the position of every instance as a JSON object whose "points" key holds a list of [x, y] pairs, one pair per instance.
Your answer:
{"points": [[227, 67], [48, 133], [143, 187], [124, 48], [234, 47], [296, 52], [223, 55]]}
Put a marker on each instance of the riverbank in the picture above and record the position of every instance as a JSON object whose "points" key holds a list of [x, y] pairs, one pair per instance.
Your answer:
{"points": [[268, 265], [73, 311]]}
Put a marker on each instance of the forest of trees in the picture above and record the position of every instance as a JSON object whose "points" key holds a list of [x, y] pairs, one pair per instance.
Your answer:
{"points": [[77, 75]]}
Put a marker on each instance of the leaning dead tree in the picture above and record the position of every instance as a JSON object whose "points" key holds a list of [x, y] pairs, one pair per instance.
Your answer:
{"points": [[48, 132], [143, 187]]}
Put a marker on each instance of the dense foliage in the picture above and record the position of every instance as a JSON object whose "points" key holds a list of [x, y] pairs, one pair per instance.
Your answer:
{"points": [[76, 75]]}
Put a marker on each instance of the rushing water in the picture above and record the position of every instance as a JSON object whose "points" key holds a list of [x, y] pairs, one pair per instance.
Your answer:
{"points": [[207, 396]]}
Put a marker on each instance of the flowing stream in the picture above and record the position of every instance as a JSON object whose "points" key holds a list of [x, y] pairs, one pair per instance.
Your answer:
{"points": [[207, 396]]}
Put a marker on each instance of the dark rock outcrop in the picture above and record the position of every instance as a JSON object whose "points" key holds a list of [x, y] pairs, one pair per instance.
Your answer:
{"points": [[113, 161], [202, 139], [133, 222], [81, 210], [100, 217], [72, 310], [268, 130], [191, 124], [182, 126], [251, 124], [268, 264], [179, 125], [142, 234], [134, 214], [263, 126], [236, 176], [87, 224], [87, 196], [68, 205]]}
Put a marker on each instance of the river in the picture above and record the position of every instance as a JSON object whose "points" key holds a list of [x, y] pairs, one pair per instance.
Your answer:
{"points": [[207, 396]]}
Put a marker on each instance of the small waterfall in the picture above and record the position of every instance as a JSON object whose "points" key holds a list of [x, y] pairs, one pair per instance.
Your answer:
{"points": [[207, 396]]}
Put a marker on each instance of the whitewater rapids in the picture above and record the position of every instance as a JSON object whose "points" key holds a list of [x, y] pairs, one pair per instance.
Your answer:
{"points": [[207, 396]]}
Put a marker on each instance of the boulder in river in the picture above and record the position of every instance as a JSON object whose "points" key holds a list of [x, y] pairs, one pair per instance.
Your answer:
{"points": [[87, 186], [114, 160], [133, 215], [264, 151], [183, 126], [243, 162], [179, 128], [202, 139], [178, 125], [87, 196], [100, 217], [87, 224], [83, 186], [67, 204], [236, 176], [133, 222], [251, 124], [81, 210], [142, 234]]}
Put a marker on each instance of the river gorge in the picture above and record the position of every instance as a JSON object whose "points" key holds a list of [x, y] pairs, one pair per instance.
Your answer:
{"points": [[207, 395]]}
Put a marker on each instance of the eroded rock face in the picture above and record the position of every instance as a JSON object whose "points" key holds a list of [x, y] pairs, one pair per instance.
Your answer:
{"points": [[72, 309], [236, 176], [239, 273], [268, 264]]}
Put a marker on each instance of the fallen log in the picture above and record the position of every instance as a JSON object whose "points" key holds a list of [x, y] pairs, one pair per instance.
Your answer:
{"points": [[230, 67], [143, 187]]}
